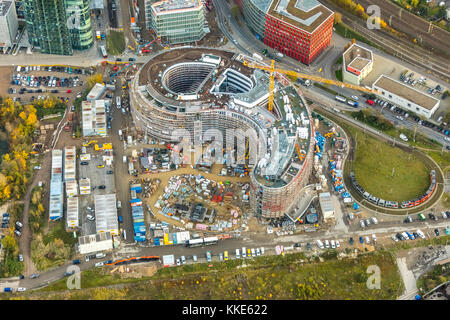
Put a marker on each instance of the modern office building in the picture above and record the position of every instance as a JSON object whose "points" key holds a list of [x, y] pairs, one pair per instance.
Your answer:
{"points": [[8, 23], [406, 97], [176, 21], [301, 29], [81, 33], [214, 93], [58, 27], [357, 64]]}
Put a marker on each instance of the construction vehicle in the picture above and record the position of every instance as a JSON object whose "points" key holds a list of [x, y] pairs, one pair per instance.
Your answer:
{"points": [[89, 143], [329, 134], [104, 146], [131, 48], [301, 154], [272, 70]]}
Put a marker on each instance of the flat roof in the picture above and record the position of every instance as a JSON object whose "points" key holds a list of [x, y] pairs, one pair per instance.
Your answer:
{"points": [[4, 7], [357, 57], [304, 14], [325, 202], [171, 6], [406, 92]]}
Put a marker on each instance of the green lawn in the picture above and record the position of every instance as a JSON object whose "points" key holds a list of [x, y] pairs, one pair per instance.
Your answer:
{"points": [[115, 42], [338, 74], [269, 277], [375, 161]]}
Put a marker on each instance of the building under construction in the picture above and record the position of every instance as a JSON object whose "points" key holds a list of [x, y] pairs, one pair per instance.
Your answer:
{"points": [[211, 97]]}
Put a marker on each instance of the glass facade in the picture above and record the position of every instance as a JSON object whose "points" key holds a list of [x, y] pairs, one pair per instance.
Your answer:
{"points": [[177, 26], [82, 37], [46, 26], [254, 12], [56, 27]]}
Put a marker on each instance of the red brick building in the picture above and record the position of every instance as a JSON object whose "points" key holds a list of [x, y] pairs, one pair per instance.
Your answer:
{"points": [[301, 29]]}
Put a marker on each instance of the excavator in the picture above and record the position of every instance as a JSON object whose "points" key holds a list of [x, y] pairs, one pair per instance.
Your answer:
{"points": [[272, 70], [89, 143]]}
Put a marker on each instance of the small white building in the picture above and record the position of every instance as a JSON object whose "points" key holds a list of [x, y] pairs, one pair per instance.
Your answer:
{"points": [[95, 243], [357, 63], [326, 205], [94, 118], [406, 97], [8, 23], [96, 92], [85, 186]]}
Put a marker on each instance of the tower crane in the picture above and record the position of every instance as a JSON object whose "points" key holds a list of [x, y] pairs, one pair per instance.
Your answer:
{"points": [[272, 70]]}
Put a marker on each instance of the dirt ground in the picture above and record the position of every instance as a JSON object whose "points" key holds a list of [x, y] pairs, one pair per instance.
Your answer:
{"points": [[5, 80]]}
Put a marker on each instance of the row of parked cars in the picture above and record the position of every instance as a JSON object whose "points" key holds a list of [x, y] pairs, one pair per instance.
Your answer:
{"points": [[402, 115], [328, 244], [69, 70], [225, 256], [367, 222]]}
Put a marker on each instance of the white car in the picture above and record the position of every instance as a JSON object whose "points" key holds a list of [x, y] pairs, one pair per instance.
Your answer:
{"points": [[447, 139], [90, 217], [399, 118], [394, 238], [338, 244], [355, 97], [333, 244], [258, 252], [420, 233], [361, 222], [178, 262], [367, 240], [99, 264], [403, 137], [262, 250], [374, 237], [327, 244], [21, 289], [444, 215]]}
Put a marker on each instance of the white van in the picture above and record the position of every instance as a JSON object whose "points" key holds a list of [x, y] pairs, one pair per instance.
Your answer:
{"points": [[320, 244], [18, 69], [100, 255], [327, 244], [238, 254], [124, 159], [243, 252], [374, 220]]}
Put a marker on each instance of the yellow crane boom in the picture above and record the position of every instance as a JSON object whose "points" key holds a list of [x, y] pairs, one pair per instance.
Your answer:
{"points": [[272, 70]]}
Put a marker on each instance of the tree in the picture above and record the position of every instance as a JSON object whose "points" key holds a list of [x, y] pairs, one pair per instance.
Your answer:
{"points": [[337, 18], [95, 78]]}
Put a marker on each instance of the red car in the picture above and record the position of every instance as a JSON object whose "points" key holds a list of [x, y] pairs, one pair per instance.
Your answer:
{"points": [[69, 91], [145, 51], [370, 102]]}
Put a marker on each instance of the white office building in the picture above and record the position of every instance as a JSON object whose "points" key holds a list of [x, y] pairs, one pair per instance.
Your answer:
{"points": [[8, 23], [406, 97], [357, 64]]}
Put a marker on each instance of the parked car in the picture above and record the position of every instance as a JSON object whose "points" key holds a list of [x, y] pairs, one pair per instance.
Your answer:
{"points": [[394, 238], [436, 231], [76, 261], [84, 163], [99, 264], [34, 276], [432, 216], [361, 240], [338, 244], [90, 217], [367, 240], [20, 257], [109, 172], [327, 244], [101, 166], [333, 244], [308, 246], [183, 260], [351, 241], [102, 187], [194, 258]]}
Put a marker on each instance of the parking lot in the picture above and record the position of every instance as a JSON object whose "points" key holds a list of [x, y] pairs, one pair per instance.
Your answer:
{"points": [[35, 82], [422, 82], [98, 178]]}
